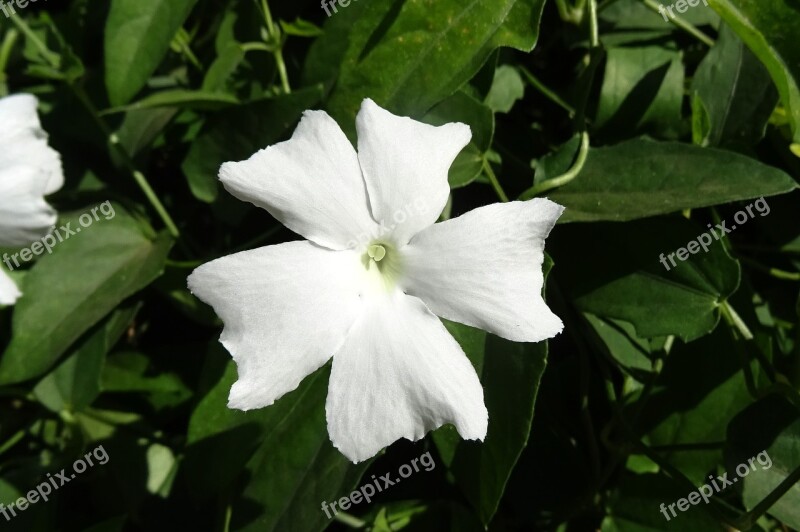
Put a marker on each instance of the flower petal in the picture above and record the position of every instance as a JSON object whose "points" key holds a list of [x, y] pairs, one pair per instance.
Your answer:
{"points": [[484, 269], [405, 165], [311, 183], [24, 214], [9, 293], [286, 308], [25, 142], [398, 375]]}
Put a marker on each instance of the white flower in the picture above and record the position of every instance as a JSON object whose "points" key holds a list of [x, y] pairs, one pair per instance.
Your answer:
{"points": [[366, 286], [29, 170]]}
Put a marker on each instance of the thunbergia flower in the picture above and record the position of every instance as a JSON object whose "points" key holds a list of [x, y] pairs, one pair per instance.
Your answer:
{"points": [[376, 270], [29, 170]]}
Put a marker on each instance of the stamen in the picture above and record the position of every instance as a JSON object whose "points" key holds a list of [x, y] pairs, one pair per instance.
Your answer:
{"points": [[376, 252]]}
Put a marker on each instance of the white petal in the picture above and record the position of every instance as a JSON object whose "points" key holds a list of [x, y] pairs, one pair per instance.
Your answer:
{"points": [[24, 214], [405, 165], [18, 113], [311, 183], [25, 142], [484, 269], [286, 308], [398, 375], [9, 293]]}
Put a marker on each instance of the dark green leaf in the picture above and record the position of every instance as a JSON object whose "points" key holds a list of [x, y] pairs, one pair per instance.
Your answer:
{"points": [[66, 293], [642, 178], [137, 36]]}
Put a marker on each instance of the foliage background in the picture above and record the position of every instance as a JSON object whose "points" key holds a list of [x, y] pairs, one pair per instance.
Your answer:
{"points": [[660, 378]]}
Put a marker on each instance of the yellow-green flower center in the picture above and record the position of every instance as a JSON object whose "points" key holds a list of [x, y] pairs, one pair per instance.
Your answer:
{"points": [[376, 252], [383, 262]]}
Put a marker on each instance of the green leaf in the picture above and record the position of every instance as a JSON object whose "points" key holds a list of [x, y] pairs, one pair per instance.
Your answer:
{"points": [[301, 28], [642, 92], [138, 34], [132, 372], [238, 133], [621, 343], [284, 449], [507, 88], [641, 178], [681, 301], [701, 388], [634, 506], [635, 16], [736, 93], [223, 67], [768, 432], [510, 373], [66, 293], [770, 30], [140, 128], [75, 383], [181, 98], [409, 56]]}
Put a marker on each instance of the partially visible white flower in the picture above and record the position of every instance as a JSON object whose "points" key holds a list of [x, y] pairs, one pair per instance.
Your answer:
{"points": [[366, 286], [29, 170]]}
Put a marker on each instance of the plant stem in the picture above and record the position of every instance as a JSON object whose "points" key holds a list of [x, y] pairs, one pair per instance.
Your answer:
{"points": [[733, 318], [594, 32], [5, 52], [277, 52], [51, 58], [128, 162], [680, 22], [774, 272], [487, 167], [349, 520], [541, 87], [565, 178]]}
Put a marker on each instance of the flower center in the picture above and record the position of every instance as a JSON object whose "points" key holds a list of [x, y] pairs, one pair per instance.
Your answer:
{"points": [[376, 252], [383, 264]]}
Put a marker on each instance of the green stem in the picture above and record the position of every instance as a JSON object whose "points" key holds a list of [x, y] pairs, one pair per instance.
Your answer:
{"points": [[277, 52], [255, 46], [541, 87], [349, 520], [47, 55], [594, 32], [128, 162], [487, 167], [5, 53], [733, 318], [774, 272], [679, 22], [565, 178], [182, 42]]}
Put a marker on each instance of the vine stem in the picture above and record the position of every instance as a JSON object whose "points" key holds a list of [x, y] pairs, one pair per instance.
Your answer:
{"points": [[137, 175], [680, 22], [564, 178], [541, 87], [487, 167], [277, 52]]}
